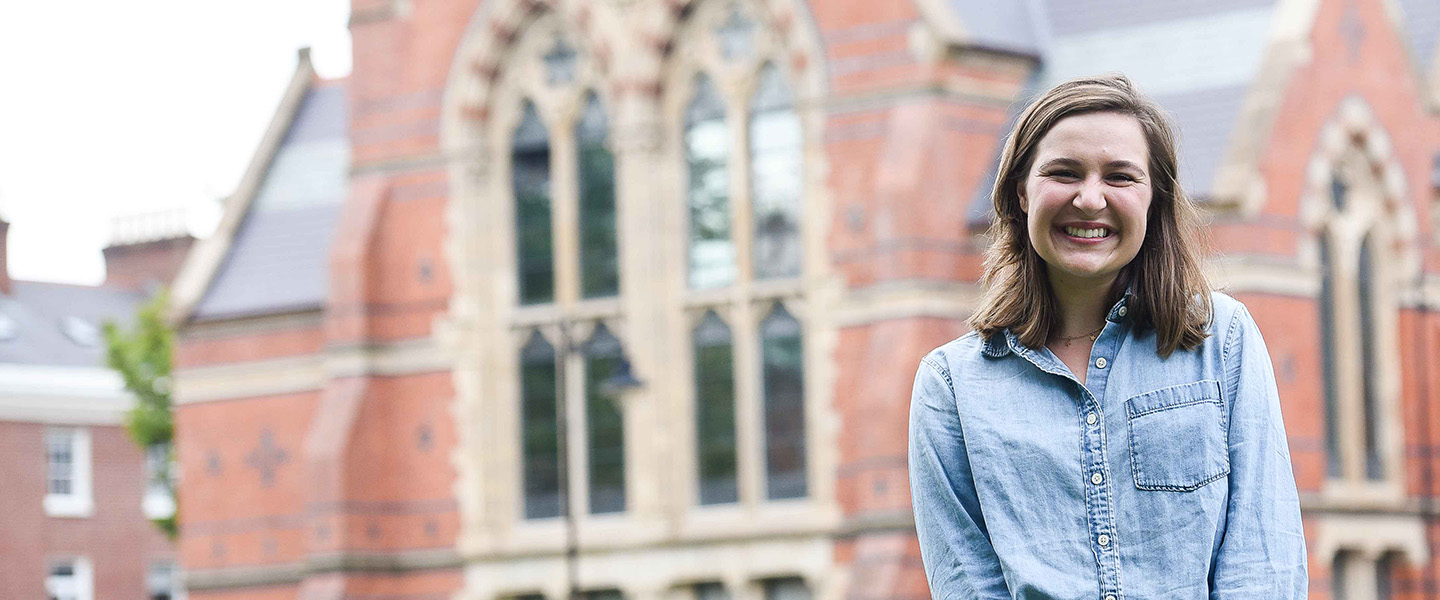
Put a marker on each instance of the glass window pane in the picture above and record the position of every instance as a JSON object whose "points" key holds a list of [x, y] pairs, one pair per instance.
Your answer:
{"points": [[604, 425], [707, 155], [60, 461], [61, 583], [776, 177], [1385, 576], [715, 411], [1339, 580], [599, 265], [1374, 465], [711, 591], [1327, 356], [530, 178], [788, 588], [539, 423], [783, 355]]}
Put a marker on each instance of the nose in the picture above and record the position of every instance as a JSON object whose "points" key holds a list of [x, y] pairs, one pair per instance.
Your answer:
{"points": [[1091, 196]]}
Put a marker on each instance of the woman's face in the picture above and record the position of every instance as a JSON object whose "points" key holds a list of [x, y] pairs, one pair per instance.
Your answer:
{"points": [[1087, 196]]}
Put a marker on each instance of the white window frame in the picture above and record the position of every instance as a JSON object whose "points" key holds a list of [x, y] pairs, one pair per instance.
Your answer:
{"points": [[83, 578], [80, 502]]}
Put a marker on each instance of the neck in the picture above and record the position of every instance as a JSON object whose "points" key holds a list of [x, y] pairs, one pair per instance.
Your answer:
{"points": [[1083, 303]]}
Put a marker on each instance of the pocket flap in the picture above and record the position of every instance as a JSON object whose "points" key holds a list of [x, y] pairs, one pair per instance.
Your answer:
{"points": [[1205, 390]]}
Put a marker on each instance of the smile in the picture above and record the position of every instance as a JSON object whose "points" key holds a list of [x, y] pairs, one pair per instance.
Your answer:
{"points": [[1097, 233]]}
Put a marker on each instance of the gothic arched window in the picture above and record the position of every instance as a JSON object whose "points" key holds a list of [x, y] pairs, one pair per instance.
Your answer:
{"points": [[715, 410], [548, 108], [707, 156], [530, 176], [595, 166], [539, 429], [605, 425], [741, 156], [775, 177]]}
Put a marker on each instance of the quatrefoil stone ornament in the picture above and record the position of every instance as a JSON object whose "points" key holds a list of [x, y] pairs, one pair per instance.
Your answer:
{"points": [[560, 63], [735, 34]]}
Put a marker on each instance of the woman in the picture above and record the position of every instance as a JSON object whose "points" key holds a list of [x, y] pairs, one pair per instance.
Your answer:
{"points": [[1111, 427]]}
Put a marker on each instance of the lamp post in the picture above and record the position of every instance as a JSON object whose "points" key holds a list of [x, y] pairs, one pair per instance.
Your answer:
{"points": [[621, 382]]}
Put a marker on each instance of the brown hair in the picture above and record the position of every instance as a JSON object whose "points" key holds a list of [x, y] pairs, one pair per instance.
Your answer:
{"points": [[1170, 292]]}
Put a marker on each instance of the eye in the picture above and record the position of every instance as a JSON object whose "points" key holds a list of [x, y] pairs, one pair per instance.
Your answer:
{"points": [[1120, 178], [1063, 174]]}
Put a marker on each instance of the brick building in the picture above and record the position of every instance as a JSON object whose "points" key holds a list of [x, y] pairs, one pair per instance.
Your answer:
{"points": [[770, 209], [78, 493]]}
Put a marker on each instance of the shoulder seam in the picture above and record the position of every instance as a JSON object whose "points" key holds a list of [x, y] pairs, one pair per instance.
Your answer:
{"points": [[939, 370]]}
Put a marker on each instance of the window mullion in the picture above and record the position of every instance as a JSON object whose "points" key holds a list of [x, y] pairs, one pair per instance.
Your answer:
{"points": [[566, 222], [741, 230], [1347, 339], [749, 417]]}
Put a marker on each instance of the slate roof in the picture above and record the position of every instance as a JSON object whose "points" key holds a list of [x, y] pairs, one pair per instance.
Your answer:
{"points": [[1422, 29], [1197, 59], [33, 315], [279, 258]]}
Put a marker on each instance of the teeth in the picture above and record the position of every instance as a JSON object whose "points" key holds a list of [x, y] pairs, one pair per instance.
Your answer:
{"points": [[1088, 233]]}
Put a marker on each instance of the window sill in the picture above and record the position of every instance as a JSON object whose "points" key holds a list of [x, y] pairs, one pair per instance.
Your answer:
{"points": [[69, 507], [158, 506]]}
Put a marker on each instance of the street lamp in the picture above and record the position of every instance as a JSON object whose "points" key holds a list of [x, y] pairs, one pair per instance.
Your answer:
{"points": [[620, 382]]}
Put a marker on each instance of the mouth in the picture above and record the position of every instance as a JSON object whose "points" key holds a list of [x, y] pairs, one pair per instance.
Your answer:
{"points": [[1086, 235]]}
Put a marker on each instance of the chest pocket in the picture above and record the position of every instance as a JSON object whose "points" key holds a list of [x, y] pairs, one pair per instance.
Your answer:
{"points": [[1178, 437]]}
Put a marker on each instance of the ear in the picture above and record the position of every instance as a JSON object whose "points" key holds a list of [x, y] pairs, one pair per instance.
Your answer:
{"points": [[1020, 193]]}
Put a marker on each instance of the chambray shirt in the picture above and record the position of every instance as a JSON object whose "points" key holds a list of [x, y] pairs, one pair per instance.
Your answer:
{"points": [[1157, 479]]}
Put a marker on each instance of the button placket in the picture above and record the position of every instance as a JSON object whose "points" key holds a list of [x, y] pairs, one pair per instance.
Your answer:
{"points": [[1100, 493]]}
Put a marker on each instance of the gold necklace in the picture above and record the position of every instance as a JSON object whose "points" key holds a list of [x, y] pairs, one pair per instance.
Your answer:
{"points": [[1092, 335]]}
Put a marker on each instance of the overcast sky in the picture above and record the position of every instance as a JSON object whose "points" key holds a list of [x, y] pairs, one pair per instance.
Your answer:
{"points": [[120, 107]]}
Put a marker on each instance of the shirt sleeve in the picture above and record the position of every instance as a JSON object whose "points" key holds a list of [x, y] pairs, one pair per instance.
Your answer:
{"points": [[960, 563], [1261, 553]]}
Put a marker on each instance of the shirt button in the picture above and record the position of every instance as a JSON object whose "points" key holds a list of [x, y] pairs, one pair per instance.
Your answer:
{"points": [[1104, 540], [1096, 479], [1122, 312], [1100, 362], [1090, 418]]}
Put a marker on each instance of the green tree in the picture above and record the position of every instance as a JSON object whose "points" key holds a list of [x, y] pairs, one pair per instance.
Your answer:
{"points": [[141, 355]]}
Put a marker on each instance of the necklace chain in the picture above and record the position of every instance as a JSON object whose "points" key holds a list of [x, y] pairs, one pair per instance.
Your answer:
{"points": [[1092, 335]]}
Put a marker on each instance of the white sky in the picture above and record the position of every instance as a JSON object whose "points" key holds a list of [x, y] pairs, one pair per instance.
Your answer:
{"points": [[111, 108]]}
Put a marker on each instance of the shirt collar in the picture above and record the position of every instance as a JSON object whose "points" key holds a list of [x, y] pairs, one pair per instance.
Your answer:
{"points": [[1005, 341]]}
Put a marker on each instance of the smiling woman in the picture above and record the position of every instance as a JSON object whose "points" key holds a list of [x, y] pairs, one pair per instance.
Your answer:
{"points": [[1108, 402]]}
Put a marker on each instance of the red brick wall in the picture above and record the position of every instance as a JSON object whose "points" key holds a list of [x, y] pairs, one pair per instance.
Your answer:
{"points": [[136, 266], [118, 539], [1376, 69], [901, 173]]}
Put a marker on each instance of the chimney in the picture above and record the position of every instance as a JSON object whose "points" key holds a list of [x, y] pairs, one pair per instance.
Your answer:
{"points": [[146, 250], [4, 257]]}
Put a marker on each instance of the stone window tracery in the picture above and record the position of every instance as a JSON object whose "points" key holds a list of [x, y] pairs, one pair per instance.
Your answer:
{"points": [[741, 152]]}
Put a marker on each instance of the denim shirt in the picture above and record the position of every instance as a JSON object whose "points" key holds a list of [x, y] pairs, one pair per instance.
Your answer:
{"points": [[1156, 479]]}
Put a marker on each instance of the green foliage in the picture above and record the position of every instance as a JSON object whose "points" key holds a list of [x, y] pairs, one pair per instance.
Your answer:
{"points": [[141, 355]]}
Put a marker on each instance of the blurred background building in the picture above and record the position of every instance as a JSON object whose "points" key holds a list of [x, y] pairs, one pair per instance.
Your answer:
{"points": [[769, 210], [78, 493]]}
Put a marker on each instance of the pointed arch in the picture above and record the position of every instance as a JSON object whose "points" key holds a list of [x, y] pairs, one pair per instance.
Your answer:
{"points": [[1363, 246]]}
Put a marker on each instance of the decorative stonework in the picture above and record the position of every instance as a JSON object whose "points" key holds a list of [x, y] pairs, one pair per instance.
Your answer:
{"points": [[267, 458], [1355, 160], [626, 54]]}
